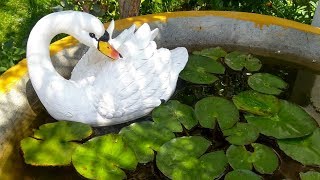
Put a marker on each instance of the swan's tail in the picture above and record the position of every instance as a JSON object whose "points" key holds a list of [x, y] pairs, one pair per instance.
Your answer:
{"points": [[179, 59]]}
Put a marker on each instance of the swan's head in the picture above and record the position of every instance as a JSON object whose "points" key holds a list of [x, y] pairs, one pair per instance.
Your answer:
{"points": [[104, 47]]}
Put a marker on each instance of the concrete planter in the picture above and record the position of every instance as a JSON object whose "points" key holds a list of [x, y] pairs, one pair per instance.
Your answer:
{"points": [[263, 35]]}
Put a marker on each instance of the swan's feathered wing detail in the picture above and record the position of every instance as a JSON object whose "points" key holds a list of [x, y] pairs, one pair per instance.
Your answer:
{"points": [[130, 87]]}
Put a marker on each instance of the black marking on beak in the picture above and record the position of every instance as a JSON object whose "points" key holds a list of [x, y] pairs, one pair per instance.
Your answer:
{"points": [[120, 55], [105, 37]]}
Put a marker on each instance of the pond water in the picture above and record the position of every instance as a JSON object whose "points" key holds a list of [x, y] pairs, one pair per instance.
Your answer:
{"points": [[187, 93]]}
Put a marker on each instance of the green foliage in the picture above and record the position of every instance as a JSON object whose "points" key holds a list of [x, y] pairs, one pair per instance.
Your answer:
{"points": [[310, 175], [211, 109], [267, 83], [305, 150], [213, 53], [173, 115], [52, 144], [144, 138], [9, 55], [237, 61], [199, 70], [241, 134], [103, 157], [290, 122], [241, 174]]}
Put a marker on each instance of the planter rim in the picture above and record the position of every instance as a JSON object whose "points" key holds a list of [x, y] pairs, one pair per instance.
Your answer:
{"points": [[15, 73]]}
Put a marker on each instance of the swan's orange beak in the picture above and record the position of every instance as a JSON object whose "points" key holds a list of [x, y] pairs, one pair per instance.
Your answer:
{"points": [[106, 49]]}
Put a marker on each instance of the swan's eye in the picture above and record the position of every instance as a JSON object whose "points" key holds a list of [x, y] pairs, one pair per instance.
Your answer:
{"points": [[92, 35]]}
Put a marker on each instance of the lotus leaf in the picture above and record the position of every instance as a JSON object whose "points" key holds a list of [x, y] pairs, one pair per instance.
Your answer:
{"points": [[242, 174], [172, 114], [144, 138], [211, 109], [237, 61], [199, 70], [51, 146], [256, 103], [213, 53], [241, 134], [290, 122], [310, 175], [103, 156], [305, 150], [182, 158], [263, 158], [267, 83]]}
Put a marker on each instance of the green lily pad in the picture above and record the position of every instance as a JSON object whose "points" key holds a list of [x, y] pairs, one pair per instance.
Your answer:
{"points": [[310, 175], [239, 157], [51, 146], [211, 109], [199, 70], [51, 152], [172, 114], [144, 138], [256, 103], [182, 158], [263, 159], [213, 53], [267, 83], [242, 174], [241, 134], [306, 150], [290, 122], [237, 61], [104, 157]]}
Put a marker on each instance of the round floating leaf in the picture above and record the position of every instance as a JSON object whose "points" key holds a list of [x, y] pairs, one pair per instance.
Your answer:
{"points": [[264, 159], [241, 174], [237, 61], [252, 64], [290, 122], [310, 175], [103, 156], [267, 83], [210, 109], [144, 138], [239, 157], [181, 158], [199, 68], [52, 146], [172, 114], [51, 152], [63, 130], [213, 53], [241, 134], [305, 150], [256, 103]]}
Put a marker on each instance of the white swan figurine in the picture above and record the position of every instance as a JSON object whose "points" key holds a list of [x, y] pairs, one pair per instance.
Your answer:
{"points": [[102, 90]]}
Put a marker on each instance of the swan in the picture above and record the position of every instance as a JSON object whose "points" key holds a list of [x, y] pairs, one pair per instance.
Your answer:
{"points": [[117, 80]]}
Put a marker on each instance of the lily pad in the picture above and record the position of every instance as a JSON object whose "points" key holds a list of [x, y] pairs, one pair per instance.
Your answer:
{"points": [[267, 83], [256, 103], [242, 174], [199, 70], [172, 114], [241, 134], [263, 158], [239, 157], [144, 138], [310, 175], [213, 53], [290, 122], [182, 158], [51, 145], [104, 157], [237, 61], [211, 109], [306, 150]]}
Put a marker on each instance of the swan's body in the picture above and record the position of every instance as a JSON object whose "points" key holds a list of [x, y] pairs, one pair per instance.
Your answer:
{"points": [[101, 91]]}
